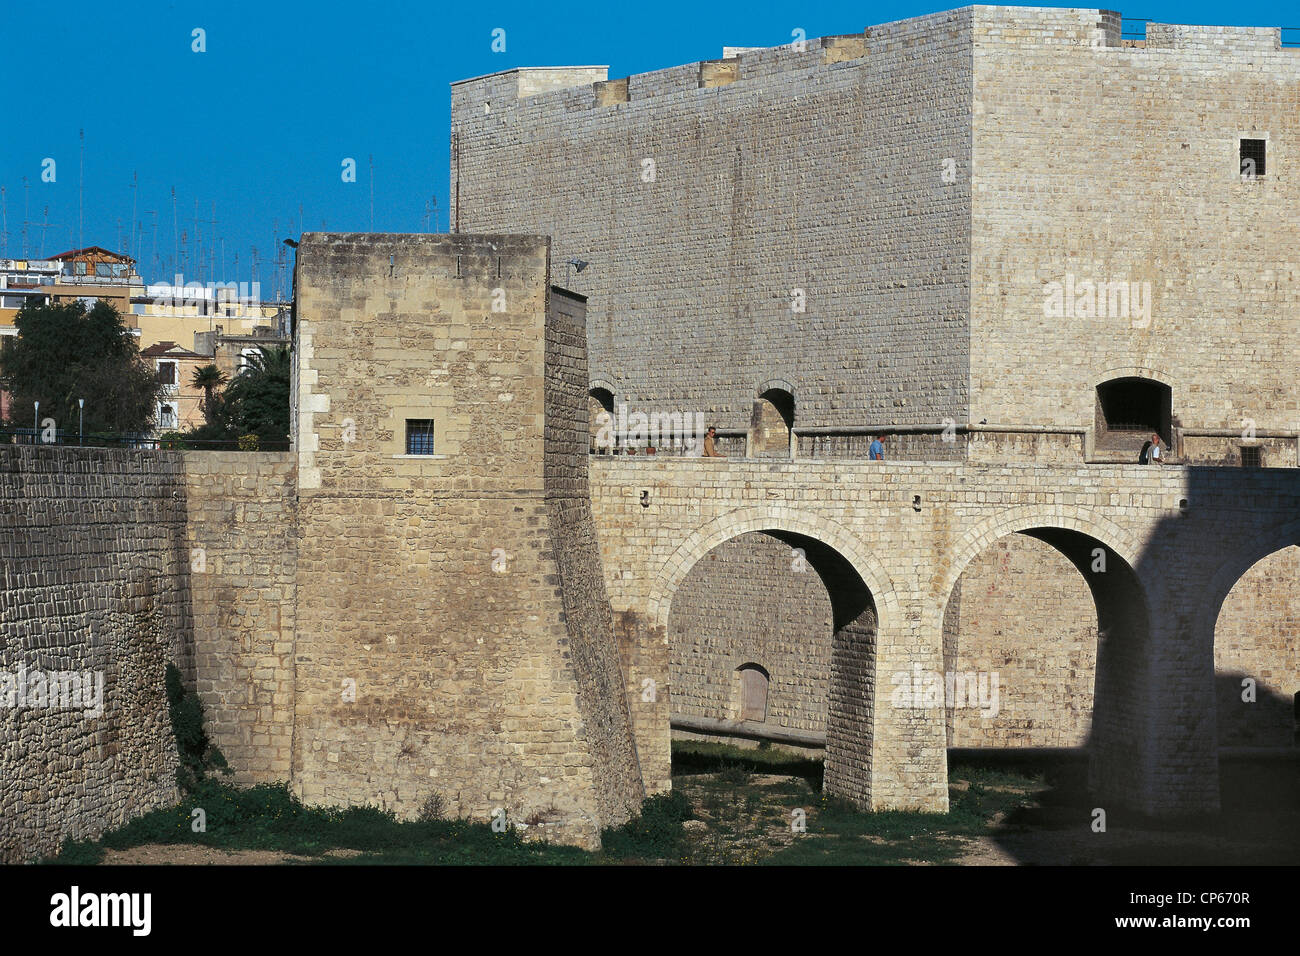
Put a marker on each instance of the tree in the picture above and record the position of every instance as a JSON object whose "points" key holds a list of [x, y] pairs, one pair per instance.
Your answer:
{"points": [[65, 352], [257, 400], [209, 378]]}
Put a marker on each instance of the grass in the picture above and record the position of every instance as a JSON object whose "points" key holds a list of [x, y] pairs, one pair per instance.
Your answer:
{"points": [[271, 818], [744, 804]]}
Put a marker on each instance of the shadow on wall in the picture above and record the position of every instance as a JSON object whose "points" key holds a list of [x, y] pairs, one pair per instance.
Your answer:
{"points": [[1160, 710]]}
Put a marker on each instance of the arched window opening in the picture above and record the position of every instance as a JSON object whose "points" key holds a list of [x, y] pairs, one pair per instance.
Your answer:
{"points": [[770, 424], [600, 421], [1129, 407]]}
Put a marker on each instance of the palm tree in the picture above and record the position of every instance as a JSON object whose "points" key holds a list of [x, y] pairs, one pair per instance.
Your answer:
{"points": [[258, 398], [209, 378]]}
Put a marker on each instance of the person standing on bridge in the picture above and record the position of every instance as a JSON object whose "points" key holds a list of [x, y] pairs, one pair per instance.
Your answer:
{"points": [[877, 450], [710, 444]]}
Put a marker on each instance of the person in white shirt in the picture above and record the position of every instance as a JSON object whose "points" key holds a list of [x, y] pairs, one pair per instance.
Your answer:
{"points": [[1153, 457]]}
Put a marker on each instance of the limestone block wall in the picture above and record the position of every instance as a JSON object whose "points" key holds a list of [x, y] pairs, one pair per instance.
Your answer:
{"points": [[1255, 638], [789, 216], [593, 650], [1114, 163], [435, 650], [751, 600], [93, 582], [1025, 614], [241, 537]]}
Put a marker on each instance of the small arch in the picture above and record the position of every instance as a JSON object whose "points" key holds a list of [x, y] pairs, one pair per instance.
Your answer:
{"points": [[600, 416], [1130, 406], [771, 421], [779, 384]]}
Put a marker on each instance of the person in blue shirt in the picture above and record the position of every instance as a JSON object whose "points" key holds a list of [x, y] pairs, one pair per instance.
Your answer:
{"points": [[877, 450]]}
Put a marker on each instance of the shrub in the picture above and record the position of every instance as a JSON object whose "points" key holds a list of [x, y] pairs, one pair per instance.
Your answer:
{"points": [[657, 832], [433, 808], [197, 753]]}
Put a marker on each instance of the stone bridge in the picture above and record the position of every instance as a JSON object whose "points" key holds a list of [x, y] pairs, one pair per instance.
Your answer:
{"points": [[1160, 548]]}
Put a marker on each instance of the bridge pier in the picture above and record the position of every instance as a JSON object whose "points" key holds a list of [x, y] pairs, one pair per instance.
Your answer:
{"points": [[886, 737]]}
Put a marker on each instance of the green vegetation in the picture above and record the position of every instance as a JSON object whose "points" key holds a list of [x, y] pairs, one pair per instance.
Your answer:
{"points": [[65, 352], [209, 378], [253, 411], [728, 806], [197, 753], [271, 818]]}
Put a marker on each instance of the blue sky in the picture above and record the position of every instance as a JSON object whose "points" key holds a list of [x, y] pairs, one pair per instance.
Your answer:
{"points": [[260, 123]]}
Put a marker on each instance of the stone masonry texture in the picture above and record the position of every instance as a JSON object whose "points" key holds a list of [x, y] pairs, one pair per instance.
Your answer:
{"points": [[452, 633], [92, 553]]}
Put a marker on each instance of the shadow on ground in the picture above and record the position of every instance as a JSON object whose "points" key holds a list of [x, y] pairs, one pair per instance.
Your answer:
{"points": [[1259, 823]]}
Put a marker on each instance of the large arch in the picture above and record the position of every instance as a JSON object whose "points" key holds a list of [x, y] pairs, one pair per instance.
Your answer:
{"points": [[864, 604], [982, 535], [1273, 701], [770, 518], [1107, 557]]}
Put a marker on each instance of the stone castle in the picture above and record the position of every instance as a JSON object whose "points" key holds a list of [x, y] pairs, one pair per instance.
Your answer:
{"points": [[1007, 237]]}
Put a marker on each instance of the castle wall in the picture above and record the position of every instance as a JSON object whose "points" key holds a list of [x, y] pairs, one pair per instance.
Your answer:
{"points": [[1026, 614], [241, 538], [1113, 163], [752, 600], [94, 581], [703, 195], [437, 650]]}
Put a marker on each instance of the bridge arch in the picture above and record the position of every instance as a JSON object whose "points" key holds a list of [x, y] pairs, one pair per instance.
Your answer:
{"points": [[983, 535], [770, 518], [1117, 678], [1260, 651], [1232, 569]]}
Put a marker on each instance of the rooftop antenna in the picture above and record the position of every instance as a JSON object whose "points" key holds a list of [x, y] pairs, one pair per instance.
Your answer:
{"points": [[372, 192], [212, 246], [44, 226], [176, 235], [81, 189], [198, 246], [154, 262], [4, 223], [26, 198], [135, 196]]}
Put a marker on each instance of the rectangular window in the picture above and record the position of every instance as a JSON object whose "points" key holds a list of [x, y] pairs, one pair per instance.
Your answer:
{"points": [[419, 436], [1252, 158], [167, 373], [1251, 456]]}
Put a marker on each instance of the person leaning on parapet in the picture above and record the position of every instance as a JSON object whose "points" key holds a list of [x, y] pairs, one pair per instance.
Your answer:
{"points": [[710, 444], [877, 450], [1153, 455]]}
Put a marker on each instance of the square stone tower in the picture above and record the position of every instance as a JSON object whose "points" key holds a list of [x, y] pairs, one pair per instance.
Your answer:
{"points": [[453, 631]]}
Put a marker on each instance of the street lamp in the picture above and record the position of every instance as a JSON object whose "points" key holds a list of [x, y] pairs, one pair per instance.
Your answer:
{"points": [[36, 423], [81, 421], [578, 264]]}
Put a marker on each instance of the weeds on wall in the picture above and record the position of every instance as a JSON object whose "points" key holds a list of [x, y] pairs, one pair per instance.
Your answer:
{"points": [[198, 755]]}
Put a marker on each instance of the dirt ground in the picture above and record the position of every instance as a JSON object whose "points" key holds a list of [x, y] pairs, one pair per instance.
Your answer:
{"points": [[183, 854]]}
